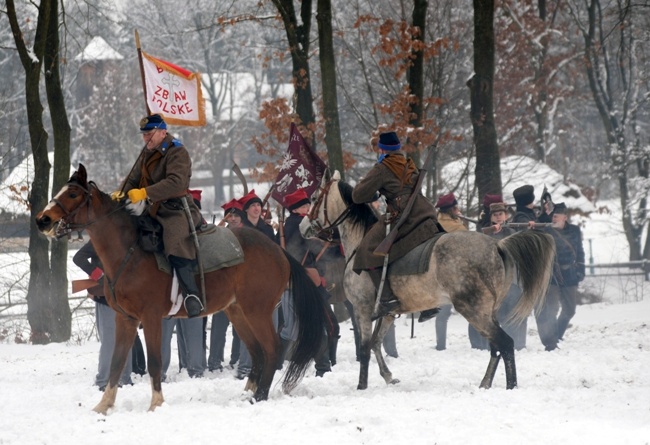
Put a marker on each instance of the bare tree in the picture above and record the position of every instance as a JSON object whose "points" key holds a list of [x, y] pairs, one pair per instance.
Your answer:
{"points": [[46, 312], [488, 167], [615, 44]]}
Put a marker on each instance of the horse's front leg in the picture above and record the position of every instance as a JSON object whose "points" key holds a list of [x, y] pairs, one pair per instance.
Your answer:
{"points": [[381, 328], [125, 331], [364, 326], [152, 327]]}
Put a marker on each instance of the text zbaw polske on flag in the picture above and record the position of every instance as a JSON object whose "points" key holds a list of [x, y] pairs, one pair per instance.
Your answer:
{"points": [[173, 92]]}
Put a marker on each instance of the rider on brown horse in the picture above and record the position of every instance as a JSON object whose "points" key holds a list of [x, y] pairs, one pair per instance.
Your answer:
{"points": [[162, 176]]}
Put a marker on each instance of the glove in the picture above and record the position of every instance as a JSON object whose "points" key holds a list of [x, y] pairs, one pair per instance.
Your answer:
{"points": [[137, 195], [117, 196], [96, 274]]}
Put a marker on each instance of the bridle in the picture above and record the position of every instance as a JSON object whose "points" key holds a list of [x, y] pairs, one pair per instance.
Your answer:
{"points": [[326, 232], [64, 227]]}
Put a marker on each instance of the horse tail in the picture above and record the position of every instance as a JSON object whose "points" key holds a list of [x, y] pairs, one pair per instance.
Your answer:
{"points": [[532, 253], [310, 314]]}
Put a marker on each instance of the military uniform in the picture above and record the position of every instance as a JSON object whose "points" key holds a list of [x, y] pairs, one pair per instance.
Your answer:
{"points": [[420, 225], [165, 174]]}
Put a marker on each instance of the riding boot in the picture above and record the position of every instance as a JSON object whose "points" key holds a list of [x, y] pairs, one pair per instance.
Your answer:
{"points": [[428, 314], [387, 301], [185, 273]]}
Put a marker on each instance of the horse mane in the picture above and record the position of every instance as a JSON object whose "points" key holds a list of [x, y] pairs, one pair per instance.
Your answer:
{"points": [[360, 214]]}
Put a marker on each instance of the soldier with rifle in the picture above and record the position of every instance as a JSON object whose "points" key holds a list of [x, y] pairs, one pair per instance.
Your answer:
{"points": [[396, 178]]}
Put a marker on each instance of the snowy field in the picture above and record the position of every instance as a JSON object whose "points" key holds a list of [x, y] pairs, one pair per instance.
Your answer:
{"points": [[593, 390]]}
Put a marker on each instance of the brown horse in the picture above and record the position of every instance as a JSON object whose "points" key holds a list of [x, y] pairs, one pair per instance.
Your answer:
{"points": [[140, 293]]}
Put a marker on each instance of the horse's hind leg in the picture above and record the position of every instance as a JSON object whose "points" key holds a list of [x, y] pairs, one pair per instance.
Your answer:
{"points": [[125, 331], [501, 346], [381, 328]]}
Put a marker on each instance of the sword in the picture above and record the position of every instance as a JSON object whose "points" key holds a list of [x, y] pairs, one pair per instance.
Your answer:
{"points": [[198, 248]]}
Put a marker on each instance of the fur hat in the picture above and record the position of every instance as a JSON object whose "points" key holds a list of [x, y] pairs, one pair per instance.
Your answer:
{"points": [[296, 199], [247, 200], [491, 199], [524, 195], [153, 122], [498, 207], [445, 202], [233, 206], [389, 141], [560, 208]]}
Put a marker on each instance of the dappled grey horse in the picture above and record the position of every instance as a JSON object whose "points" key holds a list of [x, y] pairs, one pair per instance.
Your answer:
{"points": [[470, 270]]}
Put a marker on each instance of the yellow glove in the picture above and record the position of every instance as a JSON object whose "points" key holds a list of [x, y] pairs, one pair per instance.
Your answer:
{"points": [[117, 196], [137, 195]]}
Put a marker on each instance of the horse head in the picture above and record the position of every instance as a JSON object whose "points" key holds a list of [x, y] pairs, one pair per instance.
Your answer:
{"points": [[65, 211]]}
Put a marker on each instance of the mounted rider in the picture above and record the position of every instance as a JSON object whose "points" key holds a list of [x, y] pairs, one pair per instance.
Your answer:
{"points": [[394, 176], [161, 175]]}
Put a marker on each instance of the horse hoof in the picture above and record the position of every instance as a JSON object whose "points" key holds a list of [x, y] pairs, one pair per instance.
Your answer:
{"points": [[394, 381], [362, 387]]}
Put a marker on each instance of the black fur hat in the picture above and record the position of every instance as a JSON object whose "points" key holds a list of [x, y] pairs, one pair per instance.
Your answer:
{"points": [[524, 195]]}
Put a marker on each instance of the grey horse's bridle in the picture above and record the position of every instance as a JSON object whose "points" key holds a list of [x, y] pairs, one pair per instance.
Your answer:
{"points": [[325, 231]]}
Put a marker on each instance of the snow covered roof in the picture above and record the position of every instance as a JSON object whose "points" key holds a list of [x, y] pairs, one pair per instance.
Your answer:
{"points": [[15, 189], [515, 172], [98, 49]]}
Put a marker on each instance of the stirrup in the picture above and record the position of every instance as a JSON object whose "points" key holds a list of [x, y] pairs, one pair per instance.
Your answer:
{"points": [[193, 306], [385, 308]]}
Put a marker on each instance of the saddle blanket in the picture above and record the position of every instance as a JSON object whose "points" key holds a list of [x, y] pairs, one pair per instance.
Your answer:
{"points": [[218, 248], [416, 261]]}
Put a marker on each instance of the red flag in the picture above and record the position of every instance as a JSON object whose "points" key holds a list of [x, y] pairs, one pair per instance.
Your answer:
{"points": [[301, 168], [173, 92]]}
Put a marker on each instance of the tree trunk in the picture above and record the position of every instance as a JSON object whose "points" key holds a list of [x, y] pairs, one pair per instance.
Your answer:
{"points": [[416, 72], [60, 316], [328, 75], [38, 291], [298, 38], [488, 168]]}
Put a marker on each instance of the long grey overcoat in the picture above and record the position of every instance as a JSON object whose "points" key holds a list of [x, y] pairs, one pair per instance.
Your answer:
{"points": [[165, 173]]}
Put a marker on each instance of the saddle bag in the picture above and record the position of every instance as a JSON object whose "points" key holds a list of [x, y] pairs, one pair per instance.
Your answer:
{"points": [[150, 234]]}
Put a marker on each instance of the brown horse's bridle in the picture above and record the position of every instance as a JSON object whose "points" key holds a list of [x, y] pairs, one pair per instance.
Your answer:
{"points": [[64, 227], [326, 232]]}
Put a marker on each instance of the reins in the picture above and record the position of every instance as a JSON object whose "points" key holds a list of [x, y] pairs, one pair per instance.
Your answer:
{"points": [[326, 232]]}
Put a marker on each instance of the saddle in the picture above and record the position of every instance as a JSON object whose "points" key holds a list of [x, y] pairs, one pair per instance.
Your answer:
{"points": [[218, 248], [416, 261]]}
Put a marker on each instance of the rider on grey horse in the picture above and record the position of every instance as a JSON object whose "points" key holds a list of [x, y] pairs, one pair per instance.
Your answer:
{"points": [[394, 176]]}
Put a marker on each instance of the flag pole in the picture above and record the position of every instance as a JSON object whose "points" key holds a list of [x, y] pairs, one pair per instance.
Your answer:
{"points": [[144, 84]]}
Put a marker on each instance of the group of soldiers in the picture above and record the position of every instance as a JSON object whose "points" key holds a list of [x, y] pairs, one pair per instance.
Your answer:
{"points": [[161, 177]]}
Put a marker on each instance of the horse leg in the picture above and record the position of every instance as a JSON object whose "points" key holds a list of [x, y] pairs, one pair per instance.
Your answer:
{"points": [[152, 327], [239, 322], [501, 345], [365, 344], [378, 335], [264, 361], [125, 331]]}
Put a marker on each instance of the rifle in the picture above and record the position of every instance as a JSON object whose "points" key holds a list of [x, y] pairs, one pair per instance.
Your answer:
{"points": [[79, 285], [280, 212], [468, 219], [383, 247], [489, 230]]}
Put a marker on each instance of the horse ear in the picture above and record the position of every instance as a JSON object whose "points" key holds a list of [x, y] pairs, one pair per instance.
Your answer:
{"points": [[327, 175], [82, 177], [336, 176]]}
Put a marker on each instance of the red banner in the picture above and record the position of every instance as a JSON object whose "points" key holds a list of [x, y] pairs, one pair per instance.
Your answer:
{"points": [[301, 168]]}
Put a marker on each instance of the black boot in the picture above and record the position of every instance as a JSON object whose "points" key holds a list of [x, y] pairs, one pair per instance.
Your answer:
{"points": [[428, 314], [333, 342], [387, 301], [185, 273]]}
